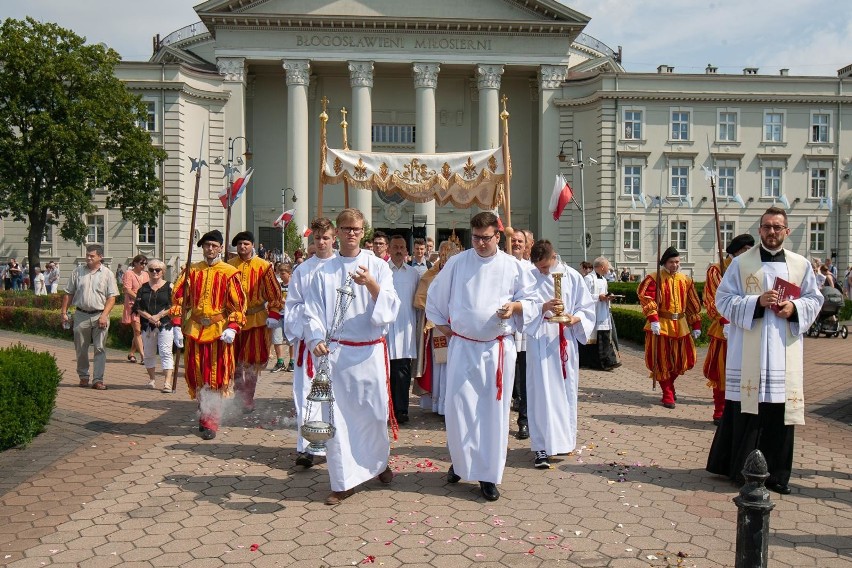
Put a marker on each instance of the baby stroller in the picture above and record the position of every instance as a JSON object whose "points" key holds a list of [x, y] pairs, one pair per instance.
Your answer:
{"points": [[827, 322]]}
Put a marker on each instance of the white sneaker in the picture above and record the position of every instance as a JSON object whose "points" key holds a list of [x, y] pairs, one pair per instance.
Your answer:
{"points": [[152, 384]]}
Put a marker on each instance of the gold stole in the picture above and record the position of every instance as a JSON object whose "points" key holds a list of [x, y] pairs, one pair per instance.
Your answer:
{"points": [[751, 276]]}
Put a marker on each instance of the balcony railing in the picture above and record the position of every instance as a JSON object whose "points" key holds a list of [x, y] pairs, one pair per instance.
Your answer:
{"points": [[186, 32]]}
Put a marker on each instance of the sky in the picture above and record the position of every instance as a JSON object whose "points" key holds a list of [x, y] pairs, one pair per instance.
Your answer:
{"points": [[808, 37]]}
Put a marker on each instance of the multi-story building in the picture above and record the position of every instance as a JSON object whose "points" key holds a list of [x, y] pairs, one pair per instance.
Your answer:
{"points": [[421, 77]]}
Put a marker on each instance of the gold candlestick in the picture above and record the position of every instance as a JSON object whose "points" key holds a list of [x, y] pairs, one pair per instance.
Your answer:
{"points": [[558, 315]]}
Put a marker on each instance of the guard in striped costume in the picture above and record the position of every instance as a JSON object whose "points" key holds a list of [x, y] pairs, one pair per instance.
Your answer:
{"points": [[669, 350], [714, 363], [215, 310], [263, 310]]}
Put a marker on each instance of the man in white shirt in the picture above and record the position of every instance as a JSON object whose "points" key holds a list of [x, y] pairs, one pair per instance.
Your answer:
{"points": [[402, 339]]}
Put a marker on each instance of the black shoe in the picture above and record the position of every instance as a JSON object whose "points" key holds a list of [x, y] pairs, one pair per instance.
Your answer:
{"points": [[541, 460], [279, 366], [452, 477], [305, 460], [717, 421], [523, 432], [207, 434], [778, 488], [402, 418], [489, 490], [289, 367], [669, 404]]}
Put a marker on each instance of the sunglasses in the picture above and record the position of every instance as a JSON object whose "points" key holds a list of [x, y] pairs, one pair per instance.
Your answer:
{"points": [[155, 270]]}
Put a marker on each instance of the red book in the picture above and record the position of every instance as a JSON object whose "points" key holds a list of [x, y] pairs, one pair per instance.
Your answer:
{"points": [[786, 291]]}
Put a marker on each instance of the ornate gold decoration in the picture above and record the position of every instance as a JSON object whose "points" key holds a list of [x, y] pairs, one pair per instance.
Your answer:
{"points": [[469, 169], [338, 166], [446, 171], [360, 169], [324, 114], [492, 164], [414, 172], [748, 388], [383, 170], [752, 285]]}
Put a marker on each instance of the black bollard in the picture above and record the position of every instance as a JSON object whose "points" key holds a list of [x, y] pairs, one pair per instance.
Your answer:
{"points": [[753, 516]]}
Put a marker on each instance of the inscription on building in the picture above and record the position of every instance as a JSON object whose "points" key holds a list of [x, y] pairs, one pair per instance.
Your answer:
{"points": [[390, 42]]}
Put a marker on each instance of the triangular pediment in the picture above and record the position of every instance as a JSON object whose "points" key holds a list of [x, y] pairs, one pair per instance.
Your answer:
{"points": [[469, 12]]}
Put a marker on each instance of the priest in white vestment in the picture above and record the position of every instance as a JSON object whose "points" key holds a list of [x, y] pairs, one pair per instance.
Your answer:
{"points": [[357, 358], [553, 363], [293, 323], [763, 392], [402, 339], [480, 298]]}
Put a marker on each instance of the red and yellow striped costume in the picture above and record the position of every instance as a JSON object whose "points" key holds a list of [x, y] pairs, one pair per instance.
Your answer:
{"points": [[714, 363], [672, 353], [216, 301], [263, 297]]}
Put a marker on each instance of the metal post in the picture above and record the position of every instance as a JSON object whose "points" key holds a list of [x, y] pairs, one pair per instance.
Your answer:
{"points": [[582, 198], [753, 516]]}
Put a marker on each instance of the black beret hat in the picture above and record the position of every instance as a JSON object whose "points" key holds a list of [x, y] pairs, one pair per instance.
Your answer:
{"points": [[671, 252], [213, 236], [738, 242], [242, 236]]}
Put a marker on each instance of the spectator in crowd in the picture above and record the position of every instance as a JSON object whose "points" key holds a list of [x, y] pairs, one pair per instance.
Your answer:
{"points": [[133, 280], [283, 272], [420, 261], [39, 287], [119, 273], [7, 280], [625, 274], [152, 304], [380, 245], [52, 277], [16, 275]]}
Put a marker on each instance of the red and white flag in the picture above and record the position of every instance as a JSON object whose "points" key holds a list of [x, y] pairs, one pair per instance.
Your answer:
{"points": [[237, 189], [284, 219], [306, 231], [560, 197]]}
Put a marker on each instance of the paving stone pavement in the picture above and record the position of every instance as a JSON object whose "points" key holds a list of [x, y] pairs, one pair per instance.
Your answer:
{"points": [[120, 477]]}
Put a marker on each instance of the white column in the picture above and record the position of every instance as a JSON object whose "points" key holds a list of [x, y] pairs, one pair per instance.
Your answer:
{"points": [[488, 82], [361, 81], [233, 71], [425, 83], [298, 77], [550, 78]]}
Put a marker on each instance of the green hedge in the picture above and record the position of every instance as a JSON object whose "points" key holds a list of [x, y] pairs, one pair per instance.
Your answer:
{"points": [[25, 298], [846, 311], [630, 325], [48, 323], [28, 383], [628, 290]]}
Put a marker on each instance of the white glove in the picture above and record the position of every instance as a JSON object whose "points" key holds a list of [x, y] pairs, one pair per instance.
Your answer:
{"points": [[272, 323], [178, 336], [655, 327], [696, 333], [228, 335], [725, 330]]}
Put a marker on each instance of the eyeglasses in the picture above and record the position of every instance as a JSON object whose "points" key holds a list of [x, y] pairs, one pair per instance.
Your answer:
{"points": [[155, 270], [482, 238], [350, 230], [773, 228]]}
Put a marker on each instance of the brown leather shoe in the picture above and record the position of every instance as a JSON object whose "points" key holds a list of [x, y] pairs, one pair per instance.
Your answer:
{"points": [[337, 496], [386, 476], [99, 386], [84, 383]]}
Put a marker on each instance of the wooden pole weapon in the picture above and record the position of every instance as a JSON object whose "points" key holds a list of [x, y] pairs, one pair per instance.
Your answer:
{"points": [[712, 175], [657, 293]]}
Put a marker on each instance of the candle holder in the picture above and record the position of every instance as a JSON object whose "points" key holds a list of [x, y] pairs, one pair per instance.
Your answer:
{"points": [[558, 313]]}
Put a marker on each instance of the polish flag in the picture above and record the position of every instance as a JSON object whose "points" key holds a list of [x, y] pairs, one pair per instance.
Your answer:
{"points": [[237, 189], [306, 231], [284, 219], [560, 197]]}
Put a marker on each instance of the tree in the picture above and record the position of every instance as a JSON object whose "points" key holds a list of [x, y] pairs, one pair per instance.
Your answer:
{"points": [[69, 127]]}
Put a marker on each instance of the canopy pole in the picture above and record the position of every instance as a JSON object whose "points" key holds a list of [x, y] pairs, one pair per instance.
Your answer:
{"points": [[344, 125], [507, 164], [323, 152]]}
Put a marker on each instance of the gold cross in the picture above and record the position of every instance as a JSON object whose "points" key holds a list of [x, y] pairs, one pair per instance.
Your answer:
{"points": [[343, 112], [795, 399], [324, 103], [748, 388]]}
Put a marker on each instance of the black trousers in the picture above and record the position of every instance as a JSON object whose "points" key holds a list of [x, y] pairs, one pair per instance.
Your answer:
{"points": [[521, 387], [400, 379], [740, 433]]}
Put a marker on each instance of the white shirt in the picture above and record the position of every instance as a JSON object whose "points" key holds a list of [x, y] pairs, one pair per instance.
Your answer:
{"points": [[402, 339]]}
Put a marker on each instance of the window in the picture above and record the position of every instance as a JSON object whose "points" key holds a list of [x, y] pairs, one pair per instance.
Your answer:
{"points": [[817, 237], [632, 235], [146, 235], [47, 236], [150, 123], [632, 180], [819, 181], [771, 182], [726, 232], [773, 127], [393, 134], [633, 125], [97, 232], [727, 183], [819, 127], [727, 127], [680, 125], [678, 235], [679, 181]]}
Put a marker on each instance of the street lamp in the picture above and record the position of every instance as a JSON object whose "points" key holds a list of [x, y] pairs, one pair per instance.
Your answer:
{"points": [[229, 172], [578, 144], [293, 199]]}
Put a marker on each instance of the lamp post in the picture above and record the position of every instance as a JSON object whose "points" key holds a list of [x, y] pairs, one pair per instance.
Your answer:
{"points": [[229, 172], [293, 199], [578, 144]]}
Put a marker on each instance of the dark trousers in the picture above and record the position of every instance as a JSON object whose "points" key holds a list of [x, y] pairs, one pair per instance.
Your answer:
{"points": [[521, 387], [400, 380]]}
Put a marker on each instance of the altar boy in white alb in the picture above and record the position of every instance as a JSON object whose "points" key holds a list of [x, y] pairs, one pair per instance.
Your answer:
{"points": [[479, 299], [764, 367], [357, 357]]}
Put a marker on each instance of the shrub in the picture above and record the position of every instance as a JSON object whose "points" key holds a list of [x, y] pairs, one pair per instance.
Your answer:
{"points": [[846, 311], [628, 290], [48, 323], [630, 325], [26, 298], [28, 383]]}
